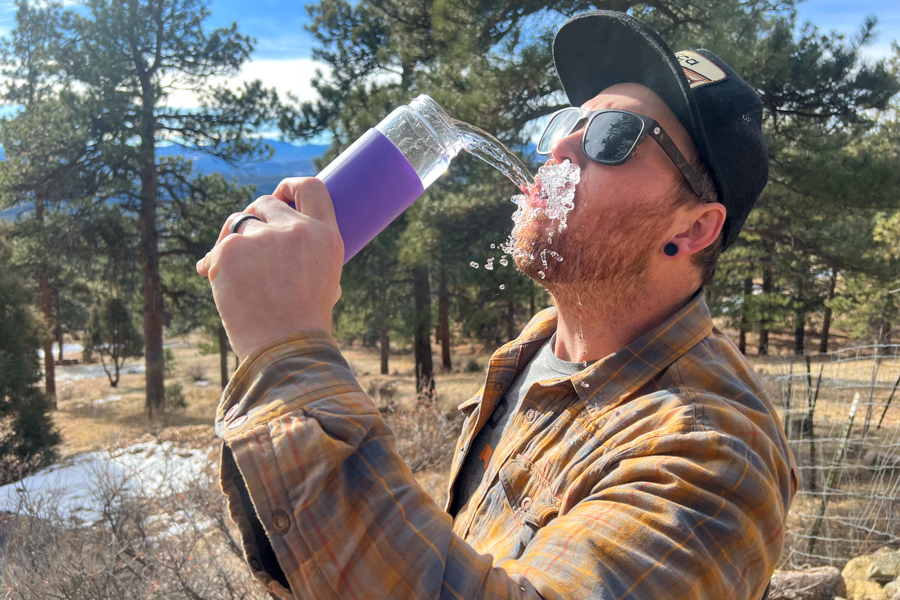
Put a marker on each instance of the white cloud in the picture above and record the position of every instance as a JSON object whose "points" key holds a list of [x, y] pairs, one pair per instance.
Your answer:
{"points": [[286, 76]]}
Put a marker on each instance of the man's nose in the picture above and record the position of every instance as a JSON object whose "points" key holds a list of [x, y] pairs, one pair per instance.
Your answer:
{"points": [[569, 147]]}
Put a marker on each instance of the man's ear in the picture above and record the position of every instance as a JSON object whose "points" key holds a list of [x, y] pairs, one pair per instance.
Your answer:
{"points": [[702, 226]]}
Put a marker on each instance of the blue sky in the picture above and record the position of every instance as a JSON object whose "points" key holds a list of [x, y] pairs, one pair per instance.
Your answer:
{"points": [[278, 27], [284, 48], [278, 24]]}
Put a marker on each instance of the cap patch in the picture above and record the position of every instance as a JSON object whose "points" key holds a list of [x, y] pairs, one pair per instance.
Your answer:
{"points": [[698, 69]]}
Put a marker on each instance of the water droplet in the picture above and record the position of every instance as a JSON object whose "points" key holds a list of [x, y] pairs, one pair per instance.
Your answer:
{"points": [[504, 262], [473, 264], [584, 364], [502, 287], [541, 273], [489, 266], [585, 384], [493, 246]]}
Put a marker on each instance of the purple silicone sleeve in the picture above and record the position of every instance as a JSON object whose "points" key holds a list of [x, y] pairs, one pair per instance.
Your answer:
{"points": [[370, 183]]}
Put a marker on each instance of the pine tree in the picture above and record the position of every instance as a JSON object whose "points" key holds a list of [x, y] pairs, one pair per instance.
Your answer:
{"points": [[28, 439], [125, 59]]}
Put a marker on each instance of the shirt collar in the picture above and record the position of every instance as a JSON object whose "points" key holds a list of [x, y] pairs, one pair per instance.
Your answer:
{"points": [[626, 371], [629, 369]]}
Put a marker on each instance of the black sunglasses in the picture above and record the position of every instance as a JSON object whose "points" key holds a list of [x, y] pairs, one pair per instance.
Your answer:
{"points": [[611, 136]]}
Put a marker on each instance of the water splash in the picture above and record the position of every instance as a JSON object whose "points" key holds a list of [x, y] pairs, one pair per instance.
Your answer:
{"points": [[483, 145], [553, 197]]}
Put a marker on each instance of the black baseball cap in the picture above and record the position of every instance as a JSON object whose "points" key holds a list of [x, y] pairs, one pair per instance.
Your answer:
{"points": [[721, 112]]}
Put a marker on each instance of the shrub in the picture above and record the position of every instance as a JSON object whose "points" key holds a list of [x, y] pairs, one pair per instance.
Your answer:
{"points": [[145, 544], [426, 435], [175, 399], [472, 366], [196, 372], [170, 360]]}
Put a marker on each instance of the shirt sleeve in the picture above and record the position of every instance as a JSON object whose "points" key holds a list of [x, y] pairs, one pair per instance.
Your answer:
{"points": [[328, 509]]}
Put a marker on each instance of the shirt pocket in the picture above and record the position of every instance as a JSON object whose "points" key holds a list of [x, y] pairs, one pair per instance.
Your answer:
{"points": [[529, 499]]}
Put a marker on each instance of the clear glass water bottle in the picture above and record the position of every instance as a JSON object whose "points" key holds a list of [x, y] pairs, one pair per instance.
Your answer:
{"points": [[388, 168]]}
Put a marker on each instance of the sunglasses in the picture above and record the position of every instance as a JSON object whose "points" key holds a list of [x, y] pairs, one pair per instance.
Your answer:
{"points": [[611, 137]]}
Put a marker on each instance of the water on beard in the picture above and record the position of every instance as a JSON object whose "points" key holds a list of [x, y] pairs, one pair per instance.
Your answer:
{"points": [[555, 188]]}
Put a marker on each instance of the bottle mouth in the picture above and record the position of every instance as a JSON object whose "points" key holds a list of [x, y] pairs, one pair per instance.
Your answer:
{"points": [[440, 123]]}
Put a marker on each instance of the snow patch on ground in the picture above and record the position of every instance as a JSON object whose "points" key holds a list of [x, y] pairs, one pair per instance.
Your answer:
{"points": [[151, 468]]}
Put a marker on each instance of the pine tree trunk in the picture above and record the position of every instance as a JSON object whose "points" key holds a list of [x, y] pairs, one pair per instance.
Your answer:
{"points": [[49, 363], [763, 345], [799, 332], [47, 309], [58, 329], [422, 330], [444, 322], [384, 342], [153, 298], [223, 355], [826, 321], [799, 321], [745, 320]]}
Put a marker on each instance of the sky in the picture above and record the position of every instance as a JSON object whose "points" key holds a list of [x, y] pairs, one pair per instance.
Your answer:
{"points": [[283, 56]]}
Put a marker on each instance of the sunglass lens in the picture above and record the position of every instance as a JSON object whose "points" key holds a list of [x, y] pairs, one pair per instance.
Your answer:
{"points": [[559, 127], [611, 136]]}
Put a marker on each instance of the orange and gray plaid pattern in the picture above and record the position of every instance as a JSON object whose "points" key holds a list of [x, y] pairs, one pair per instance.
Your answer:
{"points": [[660, 471]]}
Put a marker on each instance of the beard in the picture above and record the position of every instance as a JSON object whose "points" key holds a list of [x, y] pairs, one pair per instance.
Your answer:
{"points": [[607, 257]]}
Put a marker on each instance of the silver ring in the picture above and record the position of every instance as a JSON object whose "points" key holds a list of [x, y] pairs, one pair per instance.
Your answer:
{"points": [[244, 217]]}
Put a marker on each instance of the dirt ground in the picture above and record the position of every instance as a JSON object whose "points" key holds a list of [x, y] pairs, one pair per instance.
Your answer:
{"points": [[93, 415]]}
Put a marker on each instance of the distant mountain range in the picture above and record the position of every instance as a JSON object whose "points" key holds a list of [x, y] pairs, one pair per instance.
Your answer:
{"points": [[288, 160]]}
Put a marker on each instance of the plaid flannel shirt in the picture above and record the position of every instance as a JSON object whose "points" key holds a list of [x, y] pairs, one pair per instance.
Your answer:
{"points": [[660, 471]]}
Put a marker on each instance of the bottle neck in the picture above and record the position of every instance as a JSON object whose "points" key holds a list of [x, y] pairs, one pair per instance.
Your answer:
{"points": [[439, 122]]}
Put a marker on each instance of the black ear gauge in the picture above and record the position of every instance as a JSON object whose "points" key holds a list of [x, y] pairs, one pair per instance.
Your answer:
{"points": [[671, 249]]}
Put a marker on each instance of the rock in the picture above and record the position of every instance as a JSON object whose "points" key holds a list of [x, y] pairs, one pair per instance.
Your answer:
{"points": [[823, 583], [885, 568], [892, 589], [859, 586]]}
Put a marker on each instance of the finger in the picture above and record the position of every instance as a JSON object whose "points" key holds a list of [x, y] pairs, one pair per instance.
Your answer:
{"points": [[309, 195], [272, 210], [226, 227], [203, 266]]}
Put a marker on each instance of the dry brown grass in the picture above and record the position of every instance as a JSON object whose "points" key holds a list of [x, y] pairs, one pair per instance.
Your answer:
{"points": [[93, 415]]}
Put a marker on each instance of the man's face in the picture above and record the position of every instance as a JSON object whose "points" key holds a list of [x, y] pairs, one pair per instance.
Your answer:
{"points": [[622, 213]]}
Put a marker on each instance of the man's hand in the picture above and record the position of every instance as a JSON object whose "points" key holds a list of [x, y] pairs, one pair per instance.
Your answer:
{"points": [[281, 274]]}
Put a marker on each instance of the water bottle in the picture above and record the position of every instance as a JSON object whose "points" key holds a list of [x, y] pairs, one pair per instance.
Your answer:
{"points": [[385, 170]]}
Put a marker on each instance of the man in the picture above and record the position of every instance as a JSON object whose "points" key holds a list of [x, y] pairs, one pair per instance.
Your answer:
{"points": [[620, 448]]}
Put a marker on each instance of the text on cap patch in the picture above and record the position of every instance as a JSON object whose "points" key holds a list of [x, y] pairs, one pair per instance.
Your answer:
{"points": [[698, 69]]}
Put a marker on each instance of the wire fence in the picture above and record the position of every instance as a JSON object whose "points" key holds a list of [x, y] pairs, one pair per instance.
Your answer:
{"points": [[841, 414]]}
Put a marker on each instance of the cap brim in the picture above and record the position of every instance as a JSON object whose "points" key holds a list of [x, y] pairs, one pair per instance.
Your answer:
{"points": [[601, 48]]}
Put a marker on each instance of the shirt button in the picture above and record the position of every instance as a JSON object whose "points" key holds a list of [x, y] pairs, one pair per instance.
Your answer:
{"points": [[530, 415], [526, 503], [254, 562], [231, 412], [237, 422], [281, 522]]}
